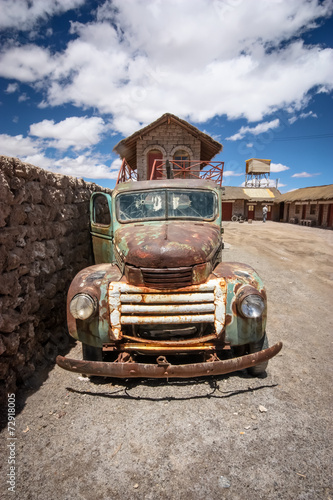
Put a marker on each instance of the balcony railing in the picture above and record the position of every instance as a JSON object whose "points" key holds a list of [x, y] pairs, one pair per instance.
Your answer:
{"points": [[126, 173], [184, 169], [188, 169]]}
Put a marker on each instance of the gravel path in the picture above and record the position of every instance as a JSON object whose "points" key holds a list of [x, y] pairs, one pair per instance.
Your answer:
{"points": [[227, 437]]}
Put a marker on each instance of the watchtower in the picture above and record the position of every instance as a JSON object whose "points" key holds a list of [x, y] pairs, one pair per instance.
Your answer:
{"points": [[257, 172]]}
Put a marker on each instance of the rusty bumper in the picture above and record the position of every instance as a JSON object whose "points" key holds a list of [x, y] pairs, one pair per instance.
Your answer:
{"points": [[166, 370]]}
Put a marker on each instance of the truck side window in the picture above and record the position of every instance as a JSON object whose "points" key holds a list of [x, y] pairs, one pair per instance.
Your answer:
{"points": [[101, 210]]}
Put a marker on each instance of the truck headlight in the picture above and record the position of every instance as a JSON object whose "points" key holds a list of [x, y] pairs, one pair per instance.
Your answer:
{"points": [[252, 306], [82, 306]]}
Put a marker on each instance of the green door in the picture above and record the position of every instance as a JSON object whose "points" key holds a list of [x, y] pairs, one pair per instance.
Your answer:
{"points": [[101, 227]]}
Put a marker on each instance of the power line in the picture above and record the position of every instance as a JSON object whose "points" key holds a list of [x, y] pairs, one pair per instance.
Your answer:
{"points": [[302, 137]]}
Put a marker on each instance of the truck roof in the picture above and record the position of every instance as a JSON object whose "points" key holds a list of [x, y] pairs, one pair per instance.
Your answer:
{"points": [[166, 183]]}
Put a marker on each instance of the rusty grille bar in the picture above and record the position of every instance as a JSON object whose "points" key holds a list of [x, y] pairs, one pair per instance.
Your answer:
{"points": [[134, 305], [167, 278]]}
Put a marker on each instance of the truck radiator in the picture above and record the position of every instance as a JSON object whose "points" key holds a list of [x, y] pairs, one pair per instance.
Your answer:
{"points": [[167, 278], [133, 305]]}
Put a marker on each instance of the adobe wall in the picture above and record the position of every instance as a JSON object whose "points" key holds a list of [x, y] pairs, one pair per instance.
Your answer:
{"points": [[296, 212], [44, 242], [167, 138]]}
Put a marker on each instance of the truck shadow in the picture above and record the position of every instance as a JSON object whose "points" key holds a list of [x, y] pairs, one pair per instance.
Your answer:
{"points": [[212, 384]]}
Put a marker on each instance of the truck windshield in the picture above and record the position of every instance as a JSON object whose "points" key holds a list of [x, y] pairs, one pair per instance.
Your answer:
{"points": [[165, 204]]}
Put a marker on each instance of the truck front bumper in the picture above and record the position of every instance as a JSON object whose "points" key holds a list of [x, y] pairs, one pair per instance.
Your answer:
{"points": [[165, 369]]}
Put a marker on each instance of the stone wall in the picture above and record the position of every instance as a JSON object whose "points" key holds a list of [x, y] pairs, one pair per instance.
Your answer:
{"points": [[44, 242]]}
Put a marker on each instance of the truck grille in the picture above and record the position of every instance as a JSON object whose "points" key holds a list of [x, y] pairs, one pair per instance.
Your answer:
{"points": [[167, 278], [134, 305]]}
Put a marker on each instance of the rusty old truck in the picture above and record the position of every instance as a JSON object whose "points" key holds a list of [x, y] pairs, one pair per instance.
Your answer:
{"points": [[159, 301]]}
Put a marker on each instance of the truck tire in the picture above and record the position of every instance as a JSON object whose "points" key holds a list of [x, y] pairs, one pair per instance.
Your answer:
{"points": [[90, 353], [259, 369]]}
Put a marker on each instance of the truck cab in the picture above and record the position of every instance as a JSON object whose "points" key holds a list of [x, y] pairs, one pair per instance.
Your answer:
{"points": [[159, 301]]}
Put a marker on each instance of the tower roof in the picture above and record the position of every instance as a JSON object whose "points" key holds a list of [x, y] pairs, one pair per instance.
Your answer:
{"points": [[126, 148]]}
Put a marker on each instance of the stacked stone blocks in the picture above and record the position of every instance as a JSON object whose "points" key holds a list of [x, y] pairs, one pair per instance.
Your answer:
{"points": [[44, 242]]}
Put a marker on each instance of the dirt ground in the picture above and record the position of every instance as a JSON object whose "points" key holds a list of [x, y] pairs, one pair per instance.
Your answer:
{"points": [[227, 437]]}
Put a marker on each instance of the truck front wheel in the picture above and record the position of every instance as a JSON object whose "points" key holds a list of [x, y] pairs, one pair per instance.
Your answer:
{"points": [[256, 347], [242, 350], [90, 353]]}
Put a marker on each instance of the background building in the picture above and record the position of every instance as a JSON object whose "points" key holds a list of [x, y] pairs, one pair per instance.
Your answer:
{"points": [[167, 138], [309, 206]]}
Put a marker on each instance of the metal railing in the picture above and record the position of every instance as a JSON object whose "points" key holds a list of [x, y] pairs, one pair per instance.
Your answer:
{"points": [[171, 169], [126, 173], [188, 169]]}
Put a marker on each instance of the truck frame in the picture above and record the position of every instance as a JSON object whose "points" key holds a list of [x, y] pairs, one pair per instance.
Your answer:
{"points": [[159, 301]]}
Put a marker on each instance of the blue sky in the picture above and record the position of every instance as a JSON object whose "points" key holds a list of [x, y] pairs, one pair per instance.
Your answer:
{"points": [[77, 76]]}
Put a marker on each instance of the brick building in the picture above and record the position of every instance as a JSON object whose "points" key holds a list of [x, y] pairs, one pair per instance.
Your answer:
{"points": [[167, 138]]}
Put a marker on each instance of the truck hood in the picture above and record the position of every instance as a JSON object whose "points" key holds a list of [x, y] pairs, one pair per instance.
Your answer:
{"points": [[168, 244]]}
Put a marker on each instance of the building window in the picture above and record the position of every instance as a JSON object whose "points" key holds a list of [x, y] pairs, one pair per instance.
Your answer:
{"points": [[250, 208], [182, 159], [313, 209], [297, 209]]}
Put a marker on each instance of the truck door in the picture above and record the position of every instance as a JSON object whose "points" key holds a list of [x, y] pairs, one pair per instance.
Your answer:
{"points": [[101, 227]]}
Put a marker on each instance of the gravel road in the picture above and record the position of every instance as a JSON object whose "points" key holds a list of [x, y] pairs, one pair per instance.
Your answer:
{"points": [[227, 437]]}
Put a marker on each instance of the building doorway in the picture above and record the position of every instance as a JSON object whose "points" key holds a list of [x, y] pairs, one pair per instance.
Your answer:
{"points": [[320, 215], [288, 212], [304, 212], [226, 210], [154, 155], [250, 212], [330, 215], [269, 212], [281, 211]]}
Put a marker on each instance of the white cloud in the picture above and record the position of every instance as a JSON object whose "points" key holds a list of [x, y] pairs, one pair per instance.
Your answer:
{"points": [[23, 97], [28, 63], [17, 146], [258, 129], [23, 14], [292, 120], [305, 174], [232, 173], [234, 65], [84, 166], [278, 167], [311, 114], [11, 88], [306, 115], [77, 132], [31, 150], [39, 160]]}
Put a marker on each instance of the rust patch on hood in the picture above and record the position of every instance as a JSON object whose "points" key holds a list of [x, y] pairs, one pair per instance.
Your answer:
{"points": [[166, 244]]}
